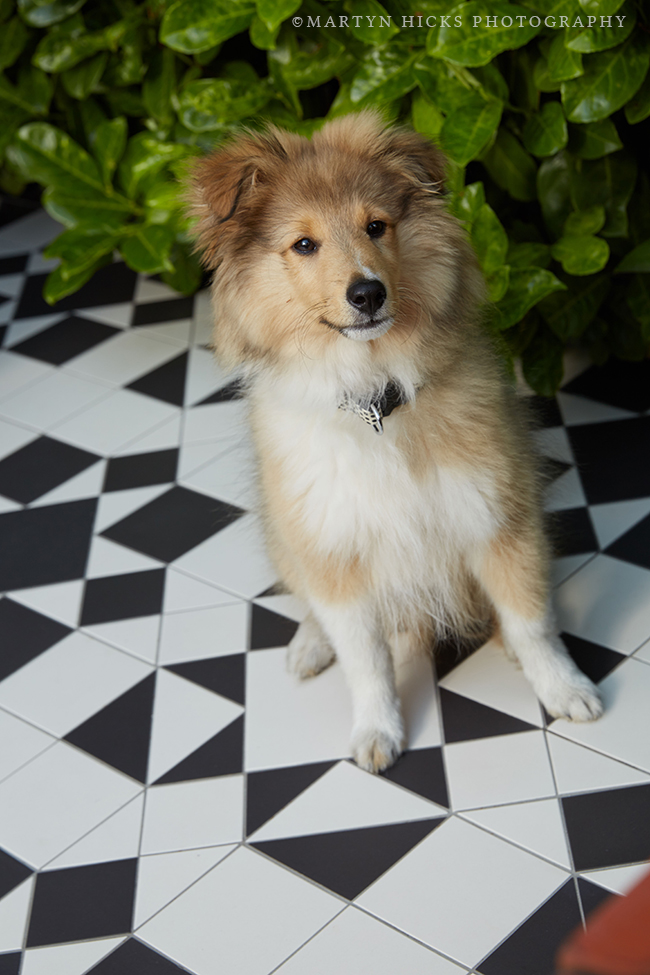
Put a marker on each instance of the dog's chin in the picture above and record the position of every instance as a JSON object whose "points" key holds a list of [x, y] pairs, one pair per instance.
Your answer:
{"points": [[364, 333]]}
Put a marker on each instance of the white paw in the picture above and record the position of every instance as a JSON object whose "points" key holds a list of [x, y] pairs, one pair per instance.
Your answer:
{"points": [[376, 749], [577, 699], [309, 652]]}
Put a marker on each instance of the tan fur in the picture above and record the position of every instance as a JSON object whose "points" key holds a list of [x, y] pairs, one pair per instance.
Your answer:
{"points": [[436, 522]]}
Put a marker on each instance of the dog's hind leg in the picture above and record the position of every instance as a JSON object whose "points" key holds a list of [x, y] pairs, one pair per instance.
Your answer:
{"points": [[510, 572], [309, 652], [356, 634]]}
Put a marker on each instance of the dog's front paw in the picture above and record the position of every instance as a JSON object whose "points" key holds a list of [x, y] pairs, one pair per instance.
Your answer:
{"points": [[375, 750], [309, 652], [577, 699]]}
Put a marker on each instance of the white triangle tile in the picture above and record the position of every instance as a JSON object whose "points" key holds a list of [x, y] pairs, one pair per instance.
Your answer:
{"points": [[175, 333], [231, 477], [183, 592], [35, 230], [107, 558], [11, 285], [185, 716], [37, 264], [565, 492], [204, 376], [137, 636], [578, 409], [163, 876], [565, 566], [117, 838], [7, 311], [415, 687], [488, 677], [196, 455], [18, 371], [579, 769], [116, 505], [643, 653], [7, 505], [88, 484], [285, 605], [216, 421], [24, 328], [163, 437], [61, 601], [148, 290], [72, 959], [187, 815], [14, 910], [537, 826], [619, 880], [203, 318], [554, 442], [198, 634], [13, 437], [610, 521], [117, 315], [346, 798]]}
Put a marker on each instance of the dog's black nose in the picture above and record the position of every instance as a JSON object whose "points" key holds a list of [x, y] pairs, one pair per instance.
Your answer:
{"points": [[366, 296]]}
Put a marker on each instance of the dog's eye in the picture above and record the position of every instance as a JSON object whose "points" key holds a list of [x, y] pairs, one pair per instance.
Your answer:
{"points": [[304, 246], [376, 228]]}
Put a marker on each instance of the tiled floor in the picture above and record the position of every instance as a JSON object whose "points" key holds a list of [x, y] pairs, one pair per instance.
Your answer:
{"points": [[171, 800]]}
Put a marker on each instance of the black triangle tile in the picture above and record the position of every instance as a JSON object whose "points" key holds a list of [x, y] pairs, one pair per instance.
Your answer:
{"points": [[610, 828], [79, 903], [12, 872], [123, 597], [134, 958], [25, 635], [554, 468], [634, 545], [167, 310], [166, 383], [119, 734], [65, 340], [348, 861], [617, 383], [612, 459], [591, 895], [270, 790], [111, 285], [15, 264], [545, 412], [234, 390], [223, 675], [451, 652], [531, 948], [423, 771], [571, 531], [140, 470], [592, 659], [269, 629], [40, 466], [10, 963], [221, 755], [464, 719]]}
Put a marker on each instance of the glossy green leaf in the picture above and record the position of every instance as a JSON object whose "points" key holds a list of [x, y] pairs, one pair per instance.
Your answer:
{"points": [[511, 167], [128, 67], [554, 179], [528, 255], [543, 363], [11, 118], [146, 156], [527, 287], [571, 312], [638, 298], [469, 127], [498, 283], [588, 221], [637, 260], [563, 63], [190, 26], [489, 239], [607, 182], [370, 21], [126, 101], [87, 207], [187, 274], [273, 12], [57, 286], [33, 92], [594, 139], [159, 84], [80, 248], [261, 37], [546, 132], [638, 108], [601, 8], [425, 117], [581, 255], [45, 14], [61, 48], [162, 197], [49, 156], [214, 102], [492, 81], [108, 142], [588, 40], [13, 39], [474, 43], [83, 79], [610, 79], [469, 201], [6, 10], [384, 74], [147, 250]]}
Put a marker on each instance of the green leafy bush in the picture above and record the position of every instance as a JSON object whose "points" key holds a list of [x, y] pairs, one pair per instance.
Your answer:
{"points": [[543, 109]]}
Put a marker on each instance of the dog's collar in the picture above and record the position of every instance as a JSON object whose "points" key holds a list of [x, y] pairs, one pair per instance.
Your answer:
{"points": [[373, 411]]}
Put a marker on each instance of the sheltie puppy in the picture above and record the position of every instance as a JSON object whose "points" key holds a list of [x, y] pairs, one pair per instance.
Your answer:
{"points": [[400, 500]]}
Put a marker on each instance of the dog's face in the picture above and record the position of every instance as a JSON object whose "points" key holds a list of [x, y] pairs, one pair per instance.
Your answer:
{"points": [[318, 242]]}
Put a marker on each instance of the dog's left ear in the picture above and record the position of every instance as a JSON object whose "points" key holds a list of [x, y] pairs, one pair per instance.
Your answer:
{"points": [[417, 159]]}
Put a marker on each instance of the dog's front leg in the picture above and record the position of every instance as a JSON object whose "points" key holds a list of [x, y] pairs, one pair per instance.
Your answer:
{"points": [[356, 634]]}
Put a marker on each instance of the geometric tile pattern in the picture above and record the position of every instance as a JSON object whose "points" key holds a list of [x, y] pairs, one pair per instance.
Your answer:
{"points": [[171, 799]]}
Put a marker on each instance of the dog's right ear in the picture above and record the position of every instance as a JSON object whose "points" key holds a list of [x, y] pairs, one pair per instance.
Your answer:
{"points": [[224, 187]]}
